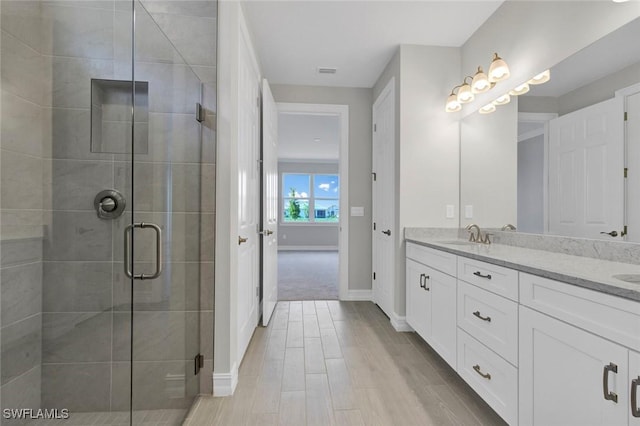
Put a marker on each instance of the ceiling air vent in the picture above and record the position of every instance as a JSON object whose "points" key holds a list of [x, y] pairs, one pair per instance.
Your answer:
{"points": [[327, 70]]}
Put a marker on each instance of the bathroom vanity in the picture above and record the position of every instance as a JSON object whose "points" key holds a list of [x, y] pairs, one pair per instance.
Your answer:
{"points": [[544, 337]]}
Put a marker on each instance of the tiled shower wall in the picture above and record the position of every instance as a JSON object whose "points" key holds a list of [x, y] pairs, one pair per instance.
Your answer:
{"points": [[65, 320], [22, 149]]}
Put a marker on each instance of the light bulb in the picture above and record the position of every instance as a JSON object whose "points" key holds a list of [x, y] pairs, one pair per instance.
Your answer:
{"points": [[452, 103], [543, 77], [502, 100], [487, 109], [480, 82], [465, 95], [498, 70], [519, 90]]}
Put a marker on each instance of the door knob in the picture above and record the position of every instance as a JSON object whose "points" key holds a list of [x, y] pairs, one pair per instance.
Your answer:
{"points": [[387, 232], [242, 240], [266, 232], [612, 233]]}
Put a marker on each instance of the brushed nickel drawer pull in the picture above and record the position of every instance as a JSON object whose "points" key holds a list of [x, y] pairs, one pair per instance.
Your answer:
{"points": [[485, 375], [609, 396], [422, 283], [479, 274], [477, 313], [426, 277], [635, 412]]}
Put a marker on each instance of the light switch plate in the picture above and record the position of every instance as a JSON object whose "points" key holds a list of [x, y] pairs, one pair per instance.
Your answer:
{"points": [[468, 212], [450, 211], [357, 211]]}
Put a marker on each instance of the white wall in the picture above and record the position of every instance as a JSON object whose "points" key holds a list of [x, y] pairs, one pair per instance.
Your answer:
{"points": [[313, 236], [359, 102], [427, 143], [535, 35]]}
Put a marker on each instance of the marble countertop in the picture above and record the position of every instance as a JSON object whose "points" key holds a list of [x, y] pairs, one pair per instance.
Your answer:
{"points": [[585, 272]]}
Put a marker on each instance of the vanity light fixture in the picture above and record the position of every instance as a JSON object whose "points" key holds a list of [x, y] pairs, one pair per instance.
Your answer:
{"points": [[480, 82], [465, 95], [543, 77], [453, 105], [498, 70], [519, 90], [502, 100], [487, 109]]}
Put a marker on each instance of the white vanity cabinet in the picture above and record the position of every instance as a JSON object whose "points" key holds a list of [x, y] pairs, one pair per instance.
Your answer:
{"points": [[431, 299], [578, 355], [634, 386], [538, 351]]}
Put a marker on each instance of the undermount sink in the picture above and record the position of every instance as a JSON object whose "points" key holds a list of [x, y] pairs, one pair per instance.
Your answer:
{"points": [[458, 243], [630, 278]]}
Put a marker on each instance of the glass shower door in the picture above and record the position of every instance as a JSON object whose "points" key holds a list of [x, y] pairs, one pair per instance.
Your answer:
{"points": [[163, 241]]}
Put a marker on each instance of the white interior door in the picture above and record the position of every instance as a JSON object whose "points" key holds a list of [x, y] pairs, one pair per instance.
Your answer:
{"points": [[269, 203], [248, 194], [586, 180], [633, 164], [383, 238]]}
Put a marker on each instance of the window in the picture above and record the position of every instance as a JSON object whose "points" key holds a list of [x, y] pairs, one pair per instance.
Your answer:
{"points": [[310, 198]]}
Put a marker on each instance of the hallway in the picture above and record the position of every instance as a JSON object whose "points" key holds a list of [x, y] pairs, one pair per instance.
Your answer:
{"points": [[331, 362]]}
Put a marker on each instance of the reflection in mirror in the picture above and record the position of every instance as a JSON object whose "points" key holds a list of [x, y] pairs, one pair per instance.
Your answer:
{"points": [[572, 151]]}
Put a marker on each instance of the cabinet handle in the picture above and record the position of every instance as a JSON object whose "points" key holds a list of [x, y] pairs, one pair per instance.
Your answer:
{"points": [[422, 284], [426, 277], [477, 313], [479, 274], [635, 412], [609, 396], [485, 375]]}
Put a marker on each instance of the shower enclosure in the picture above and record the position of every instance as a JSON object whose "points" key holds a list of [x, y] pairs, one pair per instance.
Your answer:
{"points": [[107, 155]]}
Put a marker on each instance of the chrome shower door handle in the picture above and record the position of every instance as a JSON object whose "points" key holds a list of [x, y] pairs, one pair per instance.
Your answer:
{"points": [[128, 261]]}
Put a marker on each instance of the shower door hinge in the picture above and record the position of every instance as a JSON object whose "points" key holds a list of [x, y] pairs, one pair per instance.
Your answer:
{"points": [[625, 116], [199, 112], [375, 176], [374, 275], [198, 363], [374, 226], [624, 231], [625, 171]]}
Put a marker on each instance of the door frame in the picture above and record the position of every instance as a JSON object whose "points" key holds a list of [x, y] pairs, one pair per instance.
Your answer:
{"points": [[342, 111]]}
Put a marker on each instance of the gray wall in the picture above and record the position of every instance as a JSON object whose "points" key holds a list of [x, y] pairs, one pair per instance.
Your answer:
{"points": [[23, 83], [360, 103], [300, 236], [531, 185]]}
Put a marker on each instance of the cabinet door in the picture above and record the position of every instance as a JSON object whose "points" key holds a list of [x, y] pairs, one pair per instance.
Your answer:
{"points": [[634, 382], [562, 371], [442, 316], [418, 299]]}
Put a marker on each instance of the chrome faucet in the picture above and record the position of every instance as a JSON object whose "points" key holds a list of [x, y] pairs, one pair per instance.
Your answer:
{"points": [[474, 237], [508, 227]]}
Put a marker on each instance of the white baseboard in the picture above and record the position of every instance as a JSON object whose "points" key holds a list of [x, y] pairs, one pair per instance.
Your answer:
{"points": [[224, 384], [399, 323], [307, 248], [358, 295]]}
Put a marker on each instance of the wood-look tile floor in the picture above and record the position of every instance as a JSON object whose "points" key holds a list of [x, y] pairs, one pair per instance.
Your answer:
{"points": [[341, 363]]}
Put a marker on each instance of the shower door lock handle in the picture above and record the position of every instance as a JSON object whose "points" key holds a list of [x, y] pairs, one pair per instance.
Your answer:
{"points": [[128, 261]]}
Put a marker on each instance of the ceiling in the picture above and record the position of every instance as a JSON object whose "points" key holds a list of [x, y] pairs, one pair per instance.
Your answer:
{"points": [[308, 137], [295, 37], [611, 53]]}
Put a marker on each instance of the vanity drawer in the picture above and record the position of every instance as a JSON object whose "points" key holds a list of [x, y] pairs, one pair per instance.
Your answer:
{"points": [[502, 281], [612, 317], [491, 319], [436, 259], [493, 378]]}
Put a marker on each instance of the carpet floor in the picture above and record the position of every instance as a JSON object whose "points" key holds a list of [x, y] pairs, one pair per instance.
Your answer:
{"points": [[307, 275]]}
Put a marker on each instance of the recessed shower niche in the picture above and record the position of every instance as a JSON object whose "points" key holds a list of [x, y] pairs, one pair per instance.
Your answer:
{"points": [[111, 116]]}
